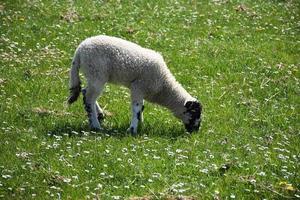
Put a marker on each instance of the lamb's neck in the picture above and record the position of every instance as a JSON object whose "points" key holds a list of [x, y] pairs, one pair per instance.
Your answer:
{"points": [[173, 96]]}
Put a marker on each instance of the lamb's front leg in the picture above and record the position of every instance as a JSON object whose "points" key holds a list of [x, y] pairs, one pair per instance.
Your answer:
{"points": [[100, 113], [137, 108]]}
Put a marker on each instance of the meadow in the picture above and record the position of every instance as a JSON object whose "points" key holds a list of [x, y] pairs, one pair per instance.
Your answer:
{"points": [[240, 58]]}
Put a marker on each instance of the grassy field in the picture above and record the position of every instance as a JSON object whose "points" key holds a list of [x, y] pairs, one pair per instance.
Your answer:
{"points": [[241, 59]]}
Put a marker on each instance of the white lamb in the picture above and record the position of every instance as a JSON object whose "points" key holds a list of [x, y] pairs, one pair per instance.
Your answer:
{"points": [[109, 59]]}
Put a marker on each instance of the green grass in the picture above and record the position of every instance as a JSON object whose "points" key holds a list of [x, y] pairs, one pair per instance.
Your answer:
{"points": [[241, 59]]}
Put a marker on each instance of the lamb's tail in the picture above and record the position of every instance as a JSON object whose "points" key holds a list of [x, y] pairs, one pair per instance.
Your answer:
{"points": [[75, 84]]}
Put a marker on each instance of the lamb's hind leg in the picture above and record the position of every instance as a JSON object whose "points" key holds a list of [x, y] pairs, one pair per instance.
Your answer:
{"points": [[90, 95]]}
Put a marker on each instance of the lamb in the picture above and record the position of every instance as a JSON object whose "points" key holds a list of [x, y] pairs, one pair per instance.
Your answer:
{"points": [[105, 59]]}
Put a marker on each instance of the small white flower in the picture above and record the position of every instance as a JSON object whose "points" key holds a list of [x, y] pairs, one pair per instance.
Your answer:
{"points": [[262, 174], [178, 150], [6, 176], [205, 171], [202, 185], [252, 181], [181, 190], [102, 173], [67, 180], [156, 175]]}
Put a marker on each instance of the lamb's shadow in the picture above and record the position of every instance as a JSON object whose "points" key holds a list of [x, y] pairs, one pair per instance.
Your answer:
{"points": [[118, 131]]}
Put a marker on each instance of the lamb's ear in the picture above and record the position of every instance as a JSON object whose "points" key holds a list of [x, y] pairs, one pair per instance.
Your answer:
{"points": [[188, 104], [191, 104]]}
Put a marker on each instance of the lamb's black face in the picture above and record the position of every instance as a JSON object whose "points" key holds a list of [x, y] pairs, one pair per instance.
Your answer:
{"points": [[193, 110]]}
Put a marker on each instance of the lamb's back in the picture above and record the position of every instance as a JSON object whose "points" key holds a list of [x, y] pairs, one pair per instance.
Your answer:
{"points": [[124, 61]]}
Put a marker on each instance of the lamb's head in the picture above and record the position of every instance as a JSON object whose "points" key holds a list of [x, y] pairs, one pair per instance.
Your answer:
{"points": [[192, 115]]}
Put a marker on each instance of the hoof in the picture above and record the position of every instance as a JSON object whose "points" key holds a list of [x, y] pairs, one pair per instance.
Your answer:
{"points": [[83, 91], [96, 129], [100, 117], [132, 131]]}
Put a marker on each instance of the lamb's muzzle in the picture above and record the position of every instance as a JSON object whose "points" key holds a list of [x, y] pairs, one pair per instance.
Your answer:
{"points": [[105, 59]]}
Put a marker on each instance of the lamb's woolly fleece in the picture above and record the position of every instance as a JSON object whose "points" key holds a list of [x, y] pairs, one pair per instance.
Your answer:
{"points": [[110, 59]]}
